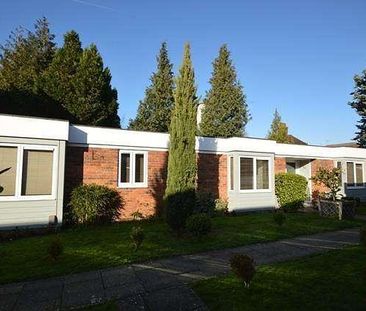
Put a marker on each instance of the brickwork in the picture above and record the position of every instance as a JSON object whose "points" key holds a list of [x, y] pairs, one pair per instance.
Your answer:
{"points": [[315, 165], [280, 165]]}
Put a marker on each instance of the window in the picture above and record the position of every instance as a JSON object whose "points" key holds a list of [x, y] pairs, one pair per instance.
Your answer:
{"points": [[27, 172], [291, 167], [133, 169], [8, 169], [354, 174], [254, 174], [231, 165]]}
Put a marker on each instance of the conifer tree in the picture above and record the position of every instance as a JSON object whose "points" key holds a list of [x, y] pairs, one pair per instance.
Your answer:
{"points": [[59, 76], [95, 100], [278, 130], [154, 112], [225, 112], [180, 191], [359, 104]]}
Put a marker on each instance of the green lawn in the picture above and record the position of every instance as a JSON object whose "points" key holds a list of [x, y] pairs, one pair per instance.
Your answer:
{"points": [[96, 247], [331, 281]]}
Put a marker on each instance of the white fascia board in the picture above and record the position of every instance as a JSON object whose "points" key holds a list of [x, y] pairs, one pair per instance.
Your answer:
{"points": [[29, 127], [318, 152]]}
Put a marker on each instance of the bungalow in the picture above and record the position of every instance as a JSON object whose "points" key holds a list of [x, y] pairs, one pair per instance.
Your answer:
{"points": [[42, 160]]}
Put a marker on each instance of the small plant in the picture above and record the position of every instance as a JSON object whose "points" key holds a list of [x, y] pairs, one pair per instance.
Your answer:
{"points": [[243, 267], [137, 236], [331, 178], [205, 203], [94, 204], [363, 236], [55, 248], [279, 217], [199, 224], [221, 207], [137, 215]]}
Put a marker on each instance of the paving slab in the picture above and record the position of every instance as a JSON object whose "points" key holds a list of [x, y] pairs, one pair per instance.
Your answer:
{"points": [[135, 303], [153, 280]]}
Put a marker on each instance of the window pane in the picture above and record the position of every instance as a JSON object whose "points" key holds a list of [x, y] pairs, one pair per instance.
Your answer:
{"points": [[37, 172], [291, 167], [246, 173], [350, 174], [231, 173], [262, 174], [139, 168], [8, 168], [125, 167], [359, 175]]}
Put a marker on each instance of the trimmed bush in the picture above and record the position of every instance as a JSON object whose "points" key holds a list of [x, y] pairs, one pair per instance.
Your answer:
{"points": [[94, 204], [199, 224], [205, 203], [291, 190], [221, 207], [55, 248], [279, 217], [179, 206], [137, 236], [363, 236], [243, 267]]}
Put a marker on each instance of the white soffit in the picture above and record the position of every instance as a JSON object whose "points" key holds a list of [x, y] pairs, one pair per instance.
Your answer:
{"points": [[30, 127]]}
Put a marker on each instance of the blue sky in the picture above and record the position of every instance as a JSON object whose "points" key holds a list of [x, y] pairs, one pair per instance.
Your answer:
{"points": [[293, 55]]}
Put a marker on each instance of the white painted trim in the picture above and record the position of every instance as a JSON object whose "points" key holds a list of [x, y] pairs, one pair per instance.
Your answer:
{"points": [[19, 173], [132, 183]]}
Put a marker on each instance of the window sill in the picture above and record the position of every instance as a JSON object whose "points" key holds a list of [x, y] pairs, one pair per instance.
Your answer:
{"points": [[256, 191], [28, 198], [132, 186]]}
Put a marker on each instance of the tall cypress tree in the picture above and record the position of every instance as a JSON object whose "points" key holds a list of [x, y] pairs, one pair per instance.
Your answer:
{"points": [[182, 167], [154, 112], [225, 112], [359, 104], [95, 100], [278, 130], [58, 78]]}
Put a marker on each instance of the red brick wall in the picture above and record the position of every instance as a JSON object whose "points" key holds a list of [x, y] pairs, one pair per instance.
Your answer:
{"points": [[280, 165], [315, 165], [100, 166], [212, 174]]}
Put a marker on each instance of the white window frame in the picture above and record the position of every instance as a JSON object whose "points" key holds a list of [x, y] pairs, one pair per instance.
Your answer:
{"points": [[229, 173], [354, 175], [254, 159], [132, 183], [19, 173]]}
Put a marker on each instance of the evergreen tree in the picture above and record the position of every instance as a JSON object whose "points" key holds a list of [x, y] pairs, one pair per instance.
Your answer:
{"points": [[359, 104], [58, 78], [278, 130], [225, 112], [95, 101], [25, 56], [180, 191], [154, 112]]}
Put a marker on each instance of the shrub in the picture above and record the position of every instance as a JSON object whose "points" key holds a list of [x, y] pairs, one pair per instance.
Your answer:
{"points": [[179, 207], [279, 217], [137, 215], [330, 178], [221, 207], [199, 224], [137, 236], [291, 190], [205, 203], [243, 267], [94, 204], [363, 236], [55, 248]]}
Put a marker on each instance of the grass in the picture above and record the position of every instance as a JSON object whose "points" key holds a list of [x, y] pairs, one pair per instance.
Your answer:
{"points": [[95, 247], [361, 210], [332, 281]]}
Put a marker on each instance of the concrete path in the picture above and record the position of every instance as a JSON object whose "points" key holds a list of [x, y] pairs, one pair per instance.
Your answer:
{"points": [[160, 284]]}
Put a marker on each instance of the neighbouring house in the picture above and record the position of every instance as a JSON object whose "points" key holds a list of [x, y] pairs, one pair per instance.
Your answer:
{"points": [[42, 160]]}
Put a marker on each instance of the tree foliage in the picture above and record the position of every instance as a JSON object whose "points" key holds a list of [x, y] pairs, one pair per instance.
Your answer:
{"points": [[278, 130], [182, 168], [331, 178], [359, 104], [37, 79], [154, 111], [225, 111]]}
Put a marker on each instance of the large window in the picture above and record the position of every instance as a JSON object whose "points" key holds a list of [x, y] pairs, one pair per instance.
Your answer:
{"points": [[132, 169], [254, 174], [354, 174], [27, 171]]}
